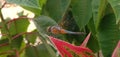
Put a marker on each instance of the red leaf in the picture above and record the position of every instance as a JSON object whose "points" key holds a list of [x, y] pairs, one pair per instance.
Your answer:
{"points": [[86, 40], [116, 52], [68, 50]]}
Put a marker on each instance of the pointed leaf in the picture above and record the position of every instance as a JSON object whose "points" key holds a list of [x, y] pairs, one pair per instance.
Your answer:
{"points": [[100, 13], [86, 40], [108, 34], [69, 50], [82, 12], [56, 9], [93, 43]]}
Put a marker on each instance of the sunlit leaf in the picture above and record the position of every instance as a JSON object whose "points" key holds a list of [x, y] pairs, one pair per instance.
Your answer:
{"points": [[29, 3], [33, 5], [18, 26]]}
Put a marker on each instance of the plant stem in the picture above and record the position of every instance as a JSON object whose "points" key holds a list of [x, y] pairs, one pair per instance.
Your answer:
{"points": [[4, 24]]}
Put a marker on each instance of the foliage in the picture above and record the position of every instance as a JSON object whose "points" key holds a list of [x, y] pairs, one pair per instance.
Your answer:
{"points": [[100, 17]]}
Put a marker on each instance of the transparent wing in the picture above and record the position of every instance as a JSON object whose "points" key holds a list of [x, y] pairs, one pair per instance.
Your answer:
{"points": [[43, 22]]}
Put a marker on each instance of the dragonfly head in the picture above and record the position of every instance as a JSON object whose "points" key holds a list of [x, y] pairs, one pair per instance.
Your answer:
{"points": [[49, 29]]}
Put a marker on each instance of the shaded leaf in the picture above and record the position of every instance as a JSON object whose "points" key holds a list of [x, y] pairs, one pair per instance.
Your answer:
{"points": [[16, 43], [38, 51], [31, 52], [108, 34], [42, 23], [116, 7], [56, 9], [100, 13], [82, 12], [4, 46], [43, 52], [93, 42]]}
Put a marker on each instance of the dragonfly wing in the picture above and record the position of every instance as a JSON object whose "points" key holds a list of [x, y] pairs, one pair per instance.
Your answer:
{"points": [[43, 22]]}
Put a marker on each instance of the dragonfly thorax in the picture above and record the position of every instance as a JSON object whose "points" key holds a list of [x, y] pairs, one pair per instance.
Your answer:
{"points": [[54, 29]]}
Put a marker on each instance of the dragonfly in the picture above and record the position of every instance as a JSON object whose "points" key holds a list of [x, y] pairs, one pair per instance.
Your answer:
{"points": [[47, 25], [60, 30]]}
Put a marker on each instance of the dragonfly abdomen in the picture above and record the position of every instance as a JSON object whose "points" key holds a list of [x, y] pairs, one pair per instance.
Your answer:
{"points": [[59, 30]]}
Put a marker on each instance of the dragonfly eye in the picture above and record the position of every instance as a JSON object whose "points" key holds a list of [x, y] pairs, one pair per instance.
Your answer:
{"points": [[49, 29]]}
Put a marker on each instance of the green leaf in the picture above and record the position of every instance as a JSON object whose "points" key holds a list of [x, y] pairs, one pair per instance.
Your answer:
{"points": [[82, 12], [93, 42], [36, 11], [31, 52], [29, 3], [3, 30], [38, 51], [116, 7], [42, 23], [4, 46], [3, 55], [95, 8], [32, 5], [18, 26], [31, 37], [100, 13], [17, 42], [56, 9], [108, 34], [42, 50]]}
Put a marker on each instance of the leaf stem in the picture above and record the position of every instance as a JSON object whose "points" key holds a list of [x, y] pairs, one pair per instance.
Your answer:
{"points": [[4, 24]]}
